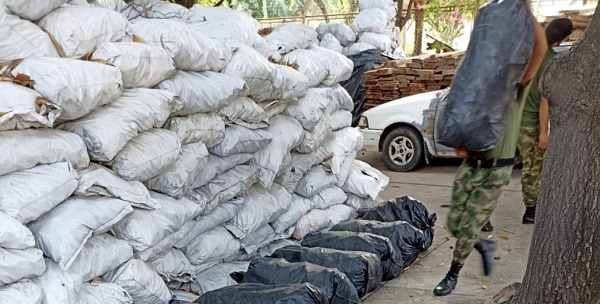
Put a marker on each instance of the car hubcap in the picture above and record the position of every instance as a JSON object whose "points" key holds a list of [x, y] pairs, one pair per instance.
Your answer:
{"points": [[401, 150]]}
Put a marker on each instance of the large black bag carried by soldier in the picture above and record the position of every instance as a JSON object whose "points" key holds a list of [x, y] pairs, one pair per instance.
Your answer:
{"points": [[406, 238], [336, 286], [391, 259], [362, 268], [304, 293], [474, 113], [405, 209]]}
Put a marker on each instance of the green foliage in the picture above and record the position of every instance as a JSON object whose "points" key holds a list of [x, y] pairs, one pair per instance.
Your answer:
{"points": [[447, 17]]}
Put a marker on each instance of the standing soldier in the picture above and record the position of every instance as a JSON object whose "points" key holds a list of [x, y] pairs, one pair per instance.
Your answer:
{"points": [[535, 123], [479, 181]]}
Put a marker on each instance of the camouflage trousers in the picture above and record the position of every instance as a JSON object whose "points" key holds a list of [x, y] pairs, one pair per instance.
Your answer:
{"points": [[474, 198], [533, 158]]}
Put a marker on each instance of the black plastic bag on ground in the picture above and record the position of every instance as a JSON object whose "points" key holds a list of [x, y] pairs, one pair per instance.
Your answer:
{"points": [[304, 293], [363, 62], [406, 238], [336, 286], [391, 260], [405, 209], [486, 83], [362, 268]]}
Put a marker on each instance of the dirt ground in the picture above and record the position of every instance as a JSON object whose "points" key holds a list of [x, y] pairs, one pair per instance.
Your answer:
{"points": [[432, 185]]}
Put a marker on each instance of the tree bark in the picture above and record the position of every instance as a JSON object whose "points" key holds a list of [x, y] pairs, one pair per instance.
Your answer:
{"points": [[564, 259], [401, 20]]}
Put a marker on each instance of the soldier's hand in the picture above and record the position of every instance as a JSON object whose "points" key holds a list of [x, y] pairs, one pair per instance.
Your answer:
{"points": [[461, 152], [543, 141]]}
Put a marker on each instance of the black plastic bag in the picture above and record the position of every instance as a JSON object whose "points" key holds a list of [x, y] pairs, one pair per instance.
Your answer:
{"points": [[391, 260], [362, 268], [405, 209], [486, 83], [363, 62], [304, 293], [406, 238], [336, 285]]}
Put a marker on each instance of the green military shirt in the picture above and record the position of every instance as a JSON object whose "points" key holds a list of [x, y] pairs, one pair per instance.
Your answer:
{"points": [[507, 145], [531, 111]]}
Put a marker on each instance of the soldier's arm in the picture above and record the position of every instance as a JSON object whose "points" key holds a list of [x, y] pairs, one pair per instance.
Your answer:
{"points": [[539, 51]]}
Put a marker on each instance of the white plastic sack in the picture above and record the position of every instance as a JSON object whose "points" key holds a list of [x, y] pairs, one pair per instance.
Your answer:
{"points": [[260, 237], [115, 5], [203, 92], [258, 73], [345, 169], [224, 187], [358, 203], [229, 30], [288, 37], [340, 31], [258, 209], [97, 180], [147, 155], [341, 119], [32, 10], [328, 197], [24, 108], [141, 282], [339, 213], [274, 108], [365, 181], [217, 277], [108, 129], [191, 51], [341, 99], [339, 66], [317, 179], [245, 112], [63, 232], [310, 64], [341, 144], [383, 42], [226, 14], [290, 176], [25, 291], [165, 244], [100, 255], [269, 249], [372, 20], [178, 179], [32, 147], [86, 29], [312, 140], [22, 39], [13, 235], [320, 219], [134, 59], [37, 190], [212, 246], [287, 134], [103, 293], [240, 140], [208, 128], [218, 165], [152, 9], [331, 43], [144, 228], [298, 208], [58, 287], [310, 109], [173, 266], [16, 264], [76, 86], [289, 83], [358, 47], [202, 224], [388, 6]]}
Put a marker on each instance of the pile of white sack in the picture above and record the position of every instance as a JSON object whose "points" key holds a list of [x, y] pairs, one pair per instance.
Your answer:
{"points": [[150, 149], [373, 28]]}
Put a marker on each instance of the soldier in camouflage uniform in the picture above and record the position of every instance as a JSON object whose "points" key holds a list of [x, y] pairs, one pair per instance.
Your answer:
{"points": [[479, 181], [534, 125]]}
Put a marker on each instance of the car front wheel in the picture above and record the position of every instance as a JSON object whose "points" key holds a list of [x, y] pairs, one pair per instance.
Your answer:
{"points": [[403, 149]]}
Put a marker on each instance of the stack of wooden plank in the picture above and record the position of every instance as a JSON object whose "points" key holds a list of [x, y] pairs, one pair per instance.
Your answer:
{"points": [[401, 78], [581, 19]]}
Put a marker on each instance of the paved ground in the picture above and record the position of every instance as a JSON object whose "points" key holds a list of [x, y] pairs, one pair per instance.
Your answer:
{"points": [[432, 185]]}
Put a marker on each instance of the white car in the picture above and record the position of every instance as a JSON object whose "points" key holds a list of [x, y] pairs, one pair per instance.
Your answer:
{"points": [[403, 130]]}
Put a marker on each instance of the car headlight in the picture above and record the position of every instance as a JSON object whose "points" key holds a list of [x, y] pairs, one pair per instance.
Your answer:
{"points": [[363, 122]]}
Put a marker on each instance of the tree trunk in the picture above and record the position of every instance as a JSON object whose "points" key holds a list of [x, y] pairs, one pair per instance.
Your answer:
{"points": [[186, 3], [265, 9], [401, 19], [564, 259]]}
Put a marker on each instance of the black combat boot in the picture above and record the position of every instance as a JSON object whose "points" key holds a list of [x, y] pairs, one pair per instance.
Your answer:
{"points": [[446, 286], [488, 227], [529, 216], [487, 248]]}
